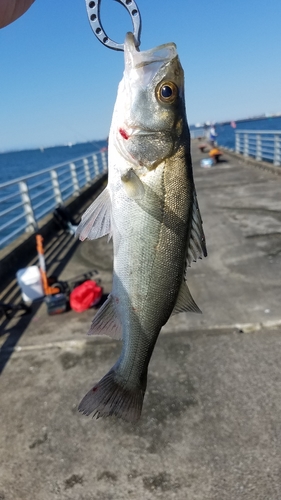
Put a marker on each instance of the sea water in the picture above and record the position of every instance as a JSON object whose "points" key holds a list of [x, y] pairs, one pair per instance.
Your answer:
{"points": [[21, 163], [18, 164], [226, 133]]}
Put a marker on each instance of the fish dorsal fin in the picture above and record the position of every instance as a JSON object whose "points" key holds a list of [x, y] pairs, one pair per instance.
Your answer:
{"points": [[185, 301], [132, 185], [197, 243], [106, 321], [96, 221]]}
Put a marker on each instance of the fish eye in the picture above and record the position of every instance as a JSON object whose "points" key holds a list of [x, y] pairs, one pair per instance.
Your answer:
{"points": [[167, 92]]}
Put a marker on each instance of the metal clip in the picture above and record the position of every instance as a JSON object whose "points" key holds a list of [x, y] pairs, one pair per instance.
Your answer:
{"points": [[93, 10]]}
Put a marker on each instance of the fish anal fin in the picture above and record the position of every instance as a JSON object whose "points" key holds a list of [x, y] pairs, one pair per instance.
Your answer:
{"points": [[110, 397], [185, 302], [96, 221], [132, 185], [106, 321]]}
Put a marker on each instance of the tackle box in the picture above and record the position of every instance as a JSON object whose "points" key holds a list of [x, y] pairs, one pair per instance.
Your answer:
{"points": [[56, 304]]}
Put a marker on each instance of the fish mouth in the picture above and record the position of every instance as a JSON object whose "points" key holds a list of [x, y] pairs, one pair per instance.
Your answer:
{"points": [[135, 59]]}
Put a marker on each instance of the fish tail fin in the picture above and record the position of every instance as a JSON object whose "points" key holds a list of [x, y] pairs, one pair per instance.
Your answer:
{"points": [[110, 397]]}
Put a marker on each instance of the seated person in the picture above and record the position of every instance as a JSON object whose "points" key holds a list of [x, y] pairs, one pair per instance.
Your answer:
{"points": [[202, 146], [215, 153]]}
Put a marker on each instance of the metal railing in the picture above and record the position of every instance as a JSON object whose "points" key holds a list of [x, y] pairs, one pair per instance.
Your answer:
{"points": [[260, 144], [198, 132], [26, 200]]}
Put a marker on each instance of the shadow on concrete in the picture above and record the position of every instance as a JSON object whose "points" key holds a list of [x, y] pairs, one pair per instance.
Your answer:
{"points": [[16, 324], [14, 336]]}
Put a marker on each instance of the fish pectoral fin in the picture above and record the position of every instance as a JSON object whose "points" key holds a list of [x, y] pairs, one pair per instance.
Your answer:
{"points": [[96, 221], [185, 301], [197, 243], [106, 321], [132, 185]]}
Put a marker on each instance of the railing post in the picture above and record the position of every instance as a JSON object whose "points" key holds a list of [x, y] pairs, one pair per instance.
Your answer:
{"points": [[56, 187], [258, 147], [96, 165], [246, 145], [87, 170], [104, 161], [74, 179], [31, 223], [237, 142], [277, 149]]}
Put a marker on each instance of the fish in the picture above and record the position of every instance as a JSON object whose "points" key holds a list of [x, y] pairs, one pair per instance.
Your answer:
{"points": [[150, 209]]}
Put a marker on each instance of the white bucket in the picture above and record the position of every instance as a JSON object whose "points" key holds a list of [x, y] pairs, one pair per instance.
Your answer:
{"points": [[207, 162], [29, 280]]}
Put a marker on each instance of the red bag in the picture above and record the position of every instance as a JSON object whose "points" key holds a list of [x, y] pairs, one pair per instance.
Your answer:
{"points": [[84, 296]]}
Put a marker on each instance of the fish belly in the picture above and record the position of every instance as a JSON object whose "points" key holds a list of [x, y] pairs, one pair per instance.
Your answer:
{"points": [[150, 238], [150, 242]]}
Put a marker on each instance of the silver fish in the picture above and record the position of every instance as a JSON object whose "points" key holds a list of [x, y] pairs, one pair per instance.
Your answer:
{"points": [[150, 209]]}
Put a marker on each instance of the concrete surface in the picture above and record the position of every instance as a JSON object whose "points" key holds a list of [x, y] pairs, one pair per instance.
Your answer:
{"points": [[211, 424]]}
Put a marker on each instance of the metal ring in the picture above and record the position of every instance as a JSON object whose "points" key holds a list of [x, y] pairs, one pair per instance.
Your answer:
{"points": [[93, 11]]}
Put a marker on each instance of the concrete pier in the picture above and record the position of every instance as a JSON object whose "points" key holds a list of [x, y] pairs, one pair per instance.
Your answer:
{"points": [[211, 425]]}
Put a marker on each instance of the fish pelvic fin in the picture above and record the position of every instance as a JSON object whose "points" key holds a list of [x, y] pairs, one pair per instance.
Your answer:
{"points": [[109, 397], [96, 221], [106, 321], [185, 302]]}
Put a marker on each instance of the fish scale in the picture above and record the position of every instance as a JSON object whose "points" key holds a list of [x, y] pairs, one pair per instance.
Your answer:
{"points": [[150, 209]]}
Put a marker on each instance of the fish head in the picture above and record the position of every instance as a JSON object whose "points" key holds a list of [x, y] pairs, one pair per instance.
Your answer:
{"points": [[149, 118]]}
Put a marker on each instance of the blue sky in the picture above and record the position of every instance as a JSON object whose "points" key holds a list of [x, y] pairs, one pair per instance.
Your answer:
{"points": [[58, 83]]}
